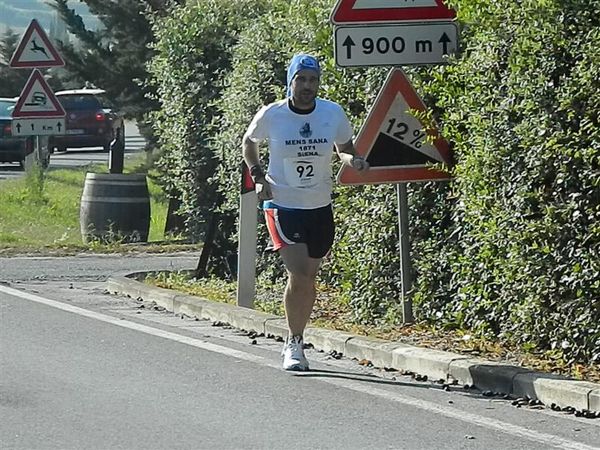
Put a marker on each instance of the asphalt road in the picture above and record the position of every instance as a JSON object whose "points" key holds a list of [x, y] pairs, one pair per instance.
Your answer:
{"points": [[134, 143], [80, 368]]}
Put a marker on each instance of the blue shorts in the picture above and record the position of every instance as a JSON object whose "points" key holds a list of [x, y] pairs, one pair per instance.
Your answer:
{"points": [[313, 227]]}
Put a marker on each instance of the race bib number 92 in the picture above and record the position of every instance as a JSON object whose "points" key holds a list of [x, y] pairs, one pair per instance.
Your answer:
{"points": [[303, 172]]}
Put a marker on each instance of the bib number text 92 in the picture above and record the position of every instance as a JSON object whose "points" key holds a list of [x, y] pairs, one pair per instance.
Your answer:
{"points": [[305, 170]]}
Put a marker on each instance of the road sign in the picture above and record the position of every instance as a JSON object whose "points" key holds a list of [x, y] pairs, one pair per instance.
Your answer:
{"points": [[44, 126], [363, 11], [394, 45], [394, 141], [37, 99], [35, 50]]}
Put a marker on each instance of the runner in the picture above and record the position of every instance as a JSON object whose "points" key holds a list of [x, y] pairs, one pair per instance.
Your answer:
{"points": [[301, 132]]}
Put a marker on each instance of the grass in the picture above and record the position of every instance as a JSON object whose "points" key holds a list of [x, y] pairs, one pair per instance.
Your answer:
{"points": [[41, 210], [333, 313]]}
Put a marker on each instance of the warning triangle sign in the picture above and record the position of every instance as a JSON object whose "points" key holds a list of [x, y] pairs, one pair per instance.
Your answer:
{"points": [[35, 50], [362, 11], [37, 99], [394, 141]]}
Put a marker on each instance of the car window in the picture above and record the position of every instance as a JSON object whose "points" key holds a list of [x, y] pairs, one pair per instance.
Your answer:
{"points": [[105, 102], [6, 108], [79, 102]]}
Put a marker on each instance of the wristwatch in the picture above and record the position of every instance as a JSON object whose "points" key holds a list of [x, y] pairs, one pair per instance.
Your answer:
{"points": [[256, 172], [355, 158]]}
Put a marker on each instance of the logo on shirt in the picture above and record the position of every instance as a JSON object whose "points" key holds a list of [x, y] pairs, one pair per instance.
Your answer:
{"points": [[305, 131]]}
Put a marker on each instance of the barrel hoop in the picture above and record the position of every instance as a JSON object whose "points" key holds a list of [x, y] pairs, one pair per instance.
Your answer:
{"points": [[85, 198], [117, 183]]}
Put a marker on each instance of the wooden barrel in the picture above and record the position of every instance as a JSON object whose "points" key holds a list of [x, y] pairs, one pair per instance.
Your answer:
{"points": [[115, 208]]}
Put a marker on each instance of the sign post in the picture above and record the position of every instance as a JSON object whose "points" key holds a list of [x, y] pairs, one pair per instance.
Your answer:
{"points": [[406, 275], [37, 112], [400, 149], [395, 143]]}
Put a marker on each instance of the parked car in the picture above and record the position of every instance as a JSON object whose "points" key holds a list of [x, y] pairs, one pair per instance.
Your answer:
{"points": [[13, 148], [91, 121]]}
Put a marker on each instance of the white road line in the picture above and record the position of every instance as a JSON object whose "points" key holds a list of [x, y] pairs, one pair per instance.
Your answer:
{"points": [[355, 385]]}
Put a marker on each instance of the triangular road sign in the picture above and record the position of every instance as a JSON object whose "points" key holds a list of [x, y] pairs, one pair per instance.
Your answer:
{"points": [[35, 50], [394, 141], [37, 99], [362, 11]]}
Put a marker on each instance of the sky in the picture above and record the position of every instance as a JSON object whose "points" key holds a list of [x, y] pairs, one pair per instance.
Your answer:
{"points": [[17, 14]]}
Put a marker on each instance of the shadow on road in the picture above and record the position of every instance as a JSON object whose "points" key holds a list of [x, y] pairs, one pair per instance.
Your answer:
{"points": [[321, 373]]}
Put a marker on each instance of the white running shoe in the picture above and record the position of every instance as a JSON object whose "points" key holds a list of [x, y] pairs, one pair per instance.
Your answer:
{"points": [[293, 354]]}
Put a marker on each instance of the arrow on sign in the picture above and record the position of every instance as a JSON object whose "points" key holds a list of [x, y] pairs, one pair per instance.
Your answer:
{"points": [[349, 43], [59, 126], [445, 40], [19, 128]]}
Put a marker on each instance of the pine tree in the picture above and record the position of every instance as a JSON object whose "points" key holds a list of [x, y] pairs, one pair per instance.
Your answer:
{"points": [[113, 57], [58, 30], [13, 80]]}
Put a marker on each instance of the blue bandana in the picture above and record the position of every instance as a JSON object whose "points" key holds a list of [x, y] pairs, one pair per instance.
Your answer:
{"points": [[298, 63]]}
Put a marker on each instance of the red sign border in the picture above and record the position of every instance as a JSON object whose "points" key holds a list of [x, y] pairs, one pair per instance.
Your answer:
{"points": [[14, 60], [343, 12], [36, 75], [396, 82]]}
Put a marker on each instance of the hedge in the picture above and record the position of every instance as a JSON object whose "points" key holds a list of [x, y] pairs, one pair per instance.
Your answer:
{"points": [[509, 249]]}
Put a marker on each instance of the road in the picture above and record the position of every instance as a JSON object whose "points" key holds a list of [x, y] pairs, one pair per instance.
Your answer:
{"points": [[134, 143], [84, 369]]}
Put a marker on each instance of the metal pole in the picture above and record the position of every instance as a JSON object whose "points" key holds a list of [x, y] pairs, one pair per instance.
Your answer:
{"points": [[38, 151], [405, 266]]}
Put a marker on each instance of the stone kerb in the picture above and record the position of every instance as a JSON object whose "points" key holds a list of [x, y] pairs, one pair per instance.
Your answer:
{"points": [[550, 389]]}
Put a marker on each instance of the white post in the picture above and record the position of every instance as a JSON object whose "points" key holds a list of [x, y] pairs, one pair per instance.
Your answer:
{"points": [[248, 221]]}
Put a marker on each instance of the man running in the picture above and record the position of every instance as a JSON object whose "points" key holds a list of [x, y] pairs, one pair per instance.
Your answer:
{"points": [[301, 132]]}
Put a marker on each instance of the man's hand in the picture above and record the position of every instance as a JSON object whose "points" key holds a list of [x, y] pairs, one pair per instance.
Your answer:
{"points": [[348, 156], [263, 189], [359, 163]]}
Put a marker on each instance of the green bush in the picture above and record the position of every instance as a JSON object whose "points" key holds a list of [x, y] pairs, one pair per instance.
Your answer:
{"points": [[521, 257], [510, 248], [193, 45]]}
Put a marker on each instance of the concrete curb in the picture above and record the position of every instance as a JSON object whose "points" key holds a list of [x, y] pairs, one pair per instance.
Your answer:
{"points": [[435, 364]]}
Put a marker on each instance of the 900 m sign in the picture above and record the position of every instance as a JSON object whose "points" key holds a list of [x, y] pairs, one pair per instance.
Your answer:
{"points": [[395, 45]]}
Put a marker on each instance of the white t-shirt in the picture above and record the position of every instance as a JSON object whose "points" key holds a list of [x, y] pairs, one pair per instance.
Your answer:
{"points": [[300, 150]]}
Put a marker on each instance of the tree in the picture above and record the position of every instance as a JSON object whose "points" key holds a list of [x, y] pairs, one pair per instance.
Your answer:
{"points": [[13, 80], [194, 46], [114, 57]]}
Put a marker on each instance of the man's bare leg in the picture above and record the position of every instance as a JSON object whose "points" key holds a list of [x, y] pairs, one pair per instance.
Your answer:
{"points": [[300, 292]]}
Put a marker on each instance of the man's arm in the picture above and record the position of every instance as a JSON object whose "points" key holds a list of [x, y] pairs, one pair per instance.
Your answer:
{"points": [[348, 156], [252, 159], [250, 152]]}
